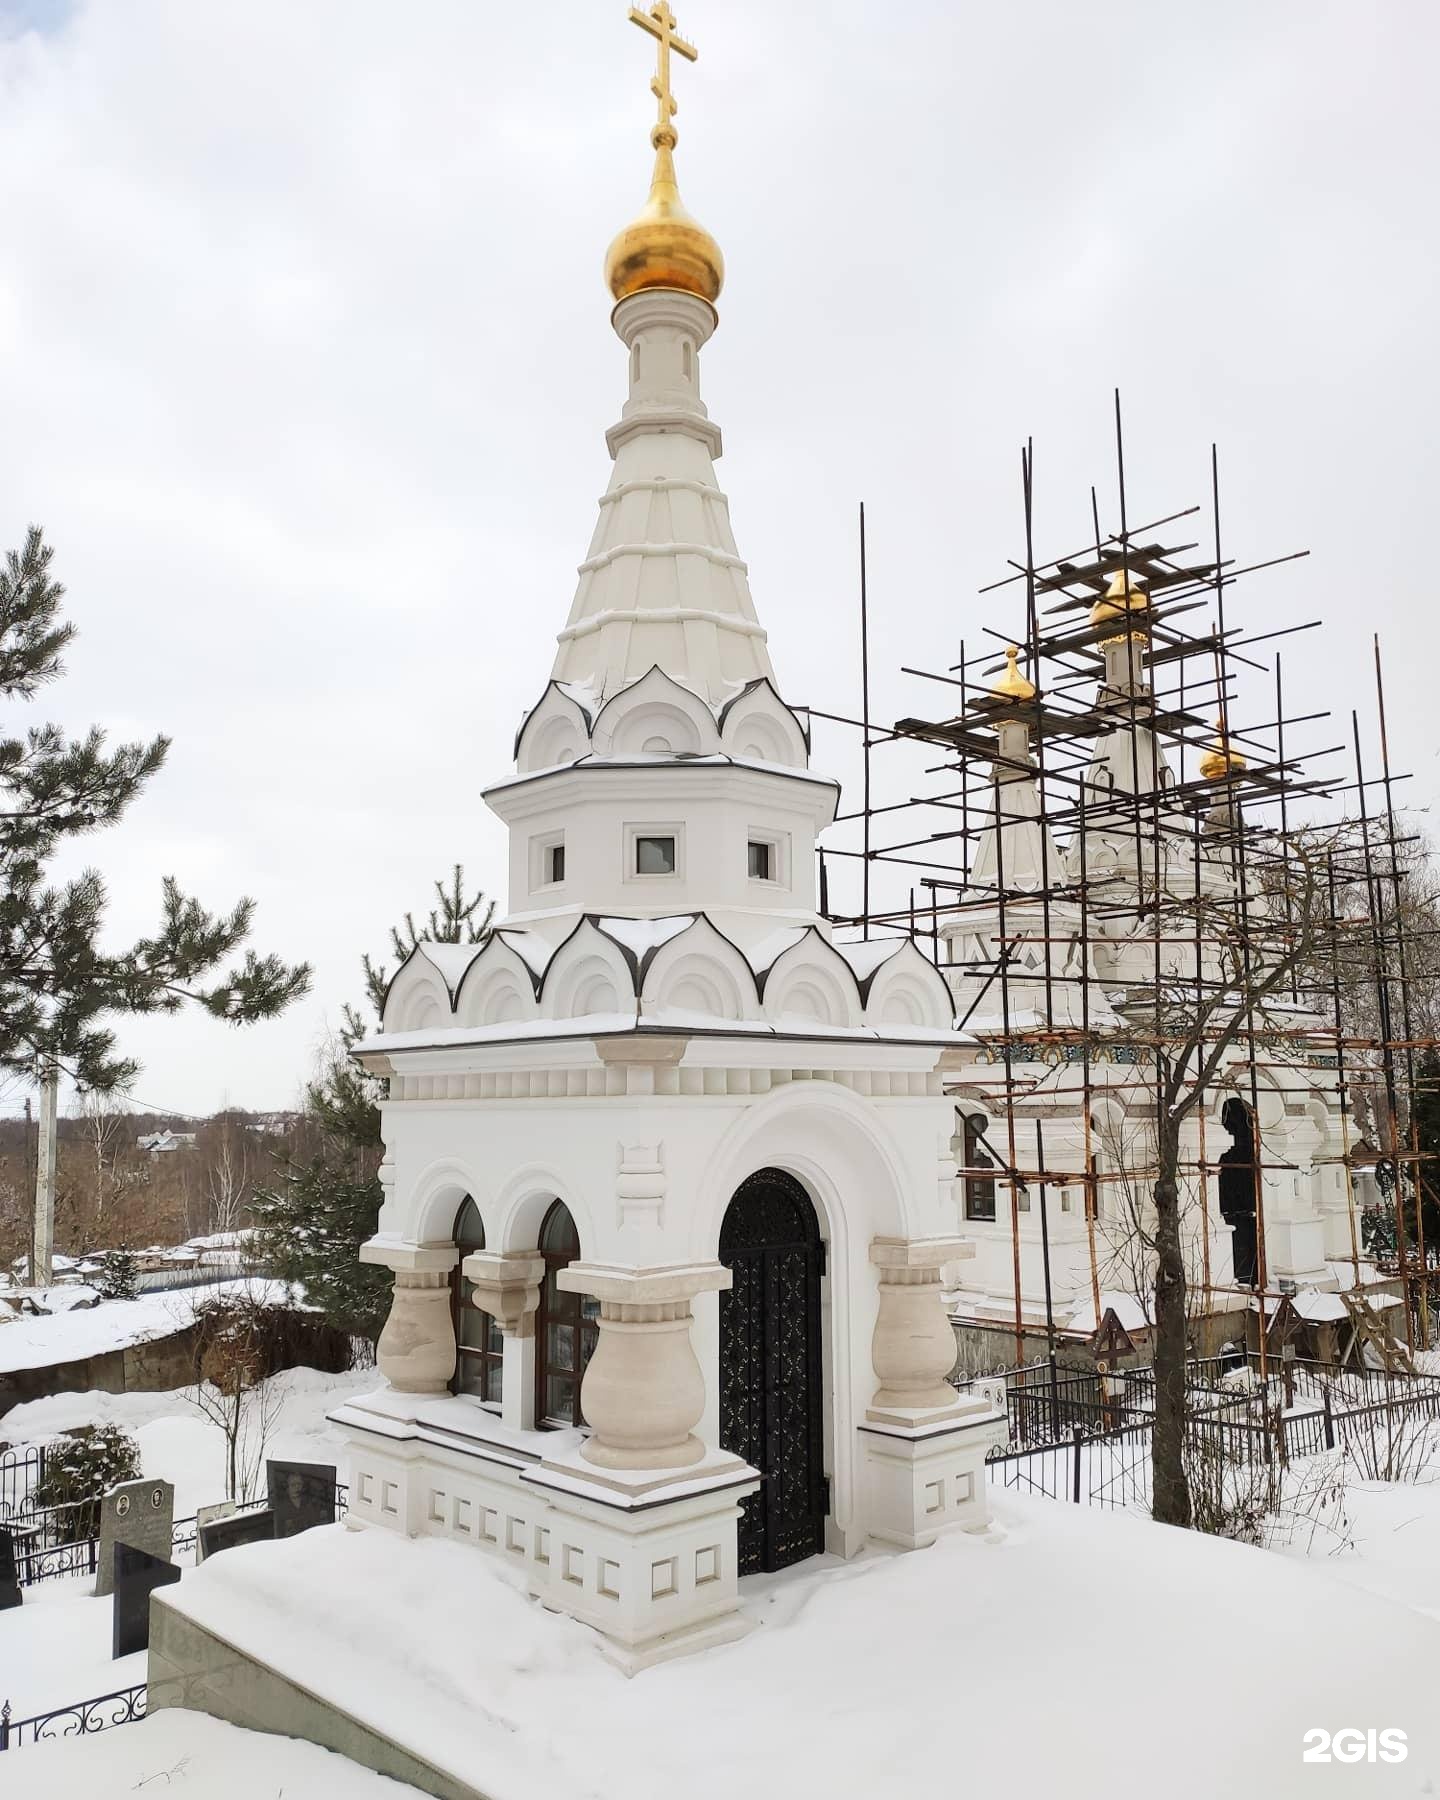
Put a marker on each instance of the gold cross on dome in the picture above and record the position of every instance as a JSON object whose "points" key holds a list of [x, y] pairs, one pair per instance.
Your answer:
{"points": [[660, 23]]}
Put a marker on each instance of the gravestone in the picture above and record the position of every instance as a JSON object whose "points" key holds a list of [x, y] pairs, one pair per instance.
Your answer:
{"points": [[301, 1495], [239, 1528], [207, 1515], [140, 1514], [10, 1594], [135, 1575]]}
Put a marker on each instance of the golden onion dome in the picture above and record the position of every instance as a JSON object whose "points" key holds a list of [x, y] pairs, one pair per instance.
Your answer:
{"points": [[1012, 685], [1123, 597], [1220, 760], [664, 247]]}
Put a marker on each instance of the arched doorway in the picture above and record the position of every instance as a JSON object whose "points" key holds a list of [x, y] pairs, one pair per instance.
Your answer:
{"points": [[770, 1367], [479, 1344], [566, 1326]]}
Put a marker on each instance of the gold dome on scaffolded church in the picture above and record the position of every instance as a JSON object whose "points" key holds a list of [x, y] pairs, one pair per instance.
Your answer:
{"points": [[664, 247], [1012, 685], [1121, 599], [1220, 760]]}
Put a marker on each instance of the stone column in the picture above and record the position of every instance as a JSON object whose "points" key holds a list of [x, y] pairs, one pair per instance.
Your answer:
{"points": [[507, 1286], [643, 1392], [913, 1346], [416, 1351]]}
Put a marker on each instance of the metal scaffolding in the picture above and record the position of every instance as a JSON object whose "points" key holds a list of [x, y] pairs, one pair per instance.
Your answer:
{"points": [[1132, 640]]}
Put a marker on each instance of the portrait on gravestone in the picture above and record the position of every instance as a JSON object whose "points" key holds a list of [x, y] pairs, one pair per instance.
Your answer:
{"points": [[240, 1528], [135, 1575], [301, 1495], [10, 1594], [140, 1514], [208, 1515]]}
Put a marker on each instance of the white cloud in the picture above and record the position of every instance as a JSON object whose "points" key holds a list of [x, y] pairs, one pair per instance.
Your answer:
{"points": [[305, 368]]}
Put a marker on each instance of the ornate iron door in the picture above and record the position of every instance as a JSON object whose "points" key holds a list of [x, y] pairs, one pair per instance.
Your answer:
{"points": [[770, 1367]]}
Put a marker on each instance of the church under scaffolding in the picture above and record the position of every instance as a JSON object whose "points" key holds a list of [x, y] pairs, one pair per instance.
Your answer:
{"points": [[1151, 895]]}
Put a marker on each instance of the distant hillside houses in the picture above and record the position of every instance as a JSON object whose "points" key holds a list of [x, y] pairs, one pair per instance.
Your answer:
{"points": [[161, 1143]]}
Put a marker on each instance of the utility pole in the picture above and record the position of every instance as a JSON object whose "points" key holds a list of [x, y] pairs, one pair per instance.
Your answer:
{"points": [[29, 1186], [42, 1272]]}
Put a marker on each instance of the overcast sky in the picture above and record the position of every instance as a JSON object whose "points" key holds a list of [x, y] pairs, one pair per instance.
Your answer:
{"points": [[305, 367]]}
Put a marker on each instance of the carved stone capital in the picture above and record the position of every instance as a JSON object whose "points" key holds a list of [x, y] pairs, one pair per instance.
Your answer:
{"points": [[507, 1286]]}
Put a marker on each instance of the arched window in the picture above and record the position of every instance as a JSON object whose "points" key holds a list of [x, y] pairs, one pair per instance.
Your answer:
{"points": [[979, 1189], [479, 1343], [566, 1326]]}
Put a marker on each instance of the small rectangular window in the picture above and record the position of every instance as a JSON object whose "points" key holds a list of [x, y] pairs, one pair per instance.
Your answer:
{"points": [[555, 863], [654, 856], [762, 861]]}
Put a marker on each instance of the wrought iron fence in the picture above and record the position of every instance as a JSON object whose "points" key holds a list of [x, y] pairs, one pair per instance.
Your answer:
{"points": [[42, 1552], [21, 1472], [79, 1719], [1111, 1467]]}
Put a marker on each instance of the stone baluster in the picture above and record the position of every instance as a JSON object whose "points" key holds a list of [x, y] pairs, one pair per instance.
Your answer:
{"points": [[643, 1392], [416, 1351], [913, 1346]]}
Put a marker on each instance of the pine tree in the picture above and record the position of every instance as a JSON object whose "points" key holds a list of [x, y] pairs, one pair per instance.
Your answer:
{"points": [[58, 986], [313, 1221], [118, 1277]]}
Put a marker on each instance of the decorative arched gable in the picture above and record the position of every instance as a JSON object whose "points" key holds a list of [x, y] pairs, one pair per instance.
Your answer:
{"points": [[699, 971], [759, 726], [811, 983], [590, 973], [556, 730], [499, 987], [418, 996], [905, 989], [655, 716]]}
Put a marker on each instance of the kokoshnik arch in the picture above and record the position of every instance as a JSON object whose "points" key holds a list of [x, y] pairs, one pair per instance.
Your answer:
{"points": [[669, 1181]]}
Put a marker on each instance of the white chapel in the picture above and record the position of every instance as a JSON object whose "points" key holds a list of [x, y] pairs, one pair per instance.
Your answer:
{"points": [[669, 1181]]}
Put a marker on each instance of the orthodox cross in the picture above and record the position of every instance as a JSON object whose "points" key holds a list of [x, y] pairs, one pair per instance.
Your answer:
{"points": [[660, 23]]}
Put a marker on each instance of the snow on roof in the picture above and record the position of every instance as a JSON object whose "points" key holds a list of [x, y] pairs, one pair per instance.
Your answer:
{"points": [[588, 1025], [822, 1712], [116, 1324], [769, 949], [452, 960], [642, 935], [533, 950], [866, 957]]}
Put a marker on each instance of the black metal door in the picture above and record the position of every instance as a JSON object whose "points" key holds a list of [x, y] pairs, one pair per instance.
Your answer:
{"points": [[770, 1367]]}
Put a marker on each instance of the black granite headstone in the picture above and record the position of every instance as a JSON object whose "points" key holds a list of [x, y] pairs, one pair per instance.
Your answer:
{"points": [[301, 1495], [10, 1594], [239, 1528], [135, 1577]]}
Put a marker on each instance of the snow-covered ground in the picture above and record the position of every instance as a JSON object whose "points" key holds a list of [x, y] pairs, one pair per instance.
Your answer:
{"points": [[1068, 1651], [38, 1343], [56, 1647], [179, 1444], [191, 1757]]}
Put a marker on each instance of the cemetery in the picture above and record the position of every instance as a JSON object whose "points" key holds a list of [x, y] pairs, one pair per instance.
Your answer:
{"points": [[899, 1254]]}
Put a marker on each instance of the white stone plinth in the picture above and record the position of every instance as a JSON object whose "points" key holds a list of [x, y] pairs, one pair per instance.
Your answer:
{"points": [[926, 1480]]}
